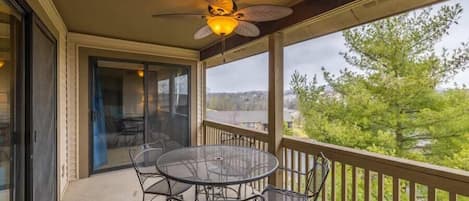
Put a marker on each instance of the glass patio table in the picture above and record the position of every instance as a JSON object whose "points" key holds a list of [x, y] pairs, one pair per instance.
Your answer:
{"points": [[217, 165]]}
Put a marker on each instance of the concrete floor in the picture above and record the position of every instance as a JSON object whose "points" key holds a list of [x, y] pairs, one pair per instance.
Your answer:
{"points": [[121, 185], [4, 195]]}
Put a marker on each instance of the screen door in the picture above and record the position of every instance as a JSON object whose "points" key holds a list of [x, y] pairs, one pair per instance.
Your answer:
{"points": [[43, 109]]}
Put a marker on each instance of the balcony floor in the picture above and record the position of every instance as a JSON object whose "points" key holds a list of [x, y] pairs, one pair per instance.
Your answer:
{"points": [[121, 185]]}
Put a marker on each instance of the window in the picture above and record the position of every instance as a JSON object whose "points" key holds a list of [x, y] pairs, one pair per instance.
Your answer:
{"points": [[397, 86], [237, 92]]}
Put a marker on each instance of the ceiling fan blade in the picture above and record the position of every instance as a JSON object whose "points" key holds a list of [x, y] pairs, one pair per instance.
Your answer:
{"points": [[203, 32], [181, 15], [227, 5], [247, 29], [263, 13]]}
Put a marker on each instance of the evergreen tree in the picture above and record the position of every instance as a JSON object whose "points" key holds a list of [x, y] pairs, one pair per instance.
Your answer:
{"points": [[392, 105]]}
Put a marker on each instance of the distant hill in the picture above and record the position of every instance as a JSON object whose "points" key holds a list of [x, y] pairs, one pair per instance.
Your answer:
{"points": [[245, 101]]}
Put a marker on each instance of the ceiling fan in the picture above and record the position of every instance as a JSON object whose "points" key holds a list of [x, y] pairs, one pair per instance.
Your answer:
{"points": [[224, 17]]}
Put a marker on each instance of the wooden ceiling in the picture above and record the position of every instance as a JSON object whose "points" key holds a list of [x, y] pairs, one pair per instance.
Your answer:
{"points": [[131, 19]]}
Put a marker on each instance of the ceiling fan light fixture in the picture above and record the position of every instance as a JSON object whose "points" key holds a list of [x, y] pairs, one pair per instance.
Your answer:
{"points": [[140, 73], [222, 25]]}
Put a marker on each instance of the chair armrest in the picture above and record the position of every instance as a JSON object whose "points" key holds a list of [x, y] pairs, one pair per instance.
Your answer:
{"points": [[290, 170], [283, 191]]}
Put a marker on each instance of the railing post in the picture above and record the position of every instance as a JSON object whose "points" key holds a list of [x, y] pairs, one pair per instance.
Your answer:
{"points": [[275, 111]]}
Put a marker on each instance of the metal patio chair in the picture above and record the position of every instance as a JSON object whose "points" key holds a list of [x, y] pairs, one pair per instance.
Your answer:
{"points": [[315, 179], [151, 181], [239, 140]]}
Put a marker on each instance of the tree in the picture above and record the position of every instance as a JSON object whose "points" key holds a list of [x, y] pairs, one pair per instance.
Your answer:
{"points": [[392, 105]]}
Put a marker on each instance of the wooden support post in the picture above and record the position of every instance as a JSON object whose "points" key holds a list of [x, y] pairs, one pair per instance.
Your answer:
{"points": [[201, 103], [275, 112], [172, 88]]}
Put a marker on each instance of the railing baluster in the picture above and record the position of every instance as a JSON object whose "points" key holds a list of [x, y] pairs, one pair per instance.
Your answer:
{"points": [[261, 184], [452, 197], [299, 158], [344, 182], [212, 133], [412, 191], [285, 166], [333, 181], [354, 183], [209, 135], [215, 136], [324, 190], [203, 136], [307, 166], [315, 172], [431, 193], [367, 185], [380, 186], [292, 178], [395, 189]]}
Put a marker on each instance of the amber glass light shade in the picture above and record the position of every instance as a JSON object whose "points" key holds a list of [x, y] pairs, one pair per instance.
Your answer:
{"points": [[140, 73], [222, 25]]}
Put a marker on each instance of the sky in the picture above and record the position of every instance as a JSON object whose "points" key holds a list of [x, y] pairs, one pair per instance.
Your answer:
{"points": [[250, 74]]}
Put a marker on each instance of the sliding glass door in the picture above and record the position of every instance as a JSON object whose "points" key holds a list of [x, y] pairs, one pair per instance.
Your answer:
{"points": [[168, 104], [118, 112], [134, 103], [10, 33]]}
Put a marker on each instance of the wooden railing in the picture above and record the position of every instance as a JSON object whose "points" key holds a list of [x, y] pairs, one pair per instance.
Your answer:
{"points": [[216, 133], [355, 175]]}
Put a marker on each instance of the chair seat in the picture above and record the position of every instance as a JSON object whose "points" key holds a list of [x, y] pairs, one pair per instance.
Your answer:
{"points": [[161, 187], [274, 194]]}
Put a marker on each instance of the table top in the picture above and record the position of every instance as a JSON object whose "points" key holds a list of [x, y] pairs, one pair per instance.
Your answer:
{"points": [[217, 164]]}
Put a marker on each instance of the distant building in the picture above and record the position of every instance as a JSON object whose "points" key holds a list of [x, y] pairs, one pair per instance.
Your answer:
{"points": [[257, 119]]}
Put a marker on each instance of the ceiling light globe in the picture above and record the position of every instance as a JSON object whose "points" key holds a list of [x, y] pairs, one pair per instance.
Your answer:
{"points": [[222, 25], [140, 73]]}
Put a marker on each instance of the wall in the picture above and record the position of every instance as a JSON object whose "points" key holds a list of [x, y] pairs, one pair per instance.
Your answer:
{"points": [[80, 48], [72, 88]]}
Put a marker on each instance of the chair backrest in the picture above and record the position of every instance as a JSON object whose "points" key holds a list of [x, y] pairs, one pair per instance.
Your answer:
{"points": [[317, 176], [144, 162], [238, 140]]}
